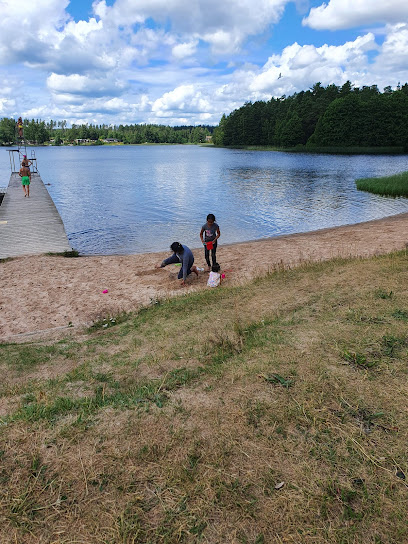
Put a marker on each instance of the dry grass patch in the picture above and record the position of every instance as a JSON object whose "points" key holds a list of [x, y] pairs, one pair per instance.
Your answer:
{"points": [[270, 412]]}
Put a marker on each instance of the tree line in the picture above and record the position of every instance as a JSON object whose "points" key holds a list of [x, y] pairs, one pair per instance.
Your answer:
{"points": [[329, 116], [39, 132]]}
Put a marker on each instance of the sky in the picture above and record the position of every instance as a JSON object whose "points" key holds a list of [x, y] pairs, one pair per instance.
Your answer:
{"points": [[187, 62]]}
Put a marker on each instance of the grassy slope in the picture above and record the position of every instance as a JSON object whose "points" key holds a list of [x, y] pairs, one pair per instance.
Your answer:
{"points": [[396, 185], [176, 424]]}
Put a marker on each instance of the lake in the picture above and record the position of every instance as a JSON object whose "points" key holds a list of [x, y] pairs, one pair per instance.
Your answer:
{"points": [[135, 199]]}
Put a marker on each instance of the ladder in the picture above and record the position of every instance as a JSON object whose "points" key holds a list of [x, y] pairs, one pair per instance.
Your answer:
{"points": [[17, 155]]}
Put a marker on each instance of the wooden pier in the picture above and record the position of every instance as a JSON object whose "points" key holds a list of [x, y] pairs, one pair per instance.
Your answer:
{"points": [[30, 226]]}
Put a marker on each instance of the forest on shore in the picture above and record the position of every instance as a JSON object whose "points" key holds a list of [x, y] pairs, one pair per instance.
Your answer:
{"points": [[58, 133], [330, 117]]}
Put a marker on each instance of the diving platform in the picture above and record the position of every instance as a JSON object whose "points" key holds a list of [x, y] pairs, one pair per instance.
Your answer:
{"points": [[30, 225]]}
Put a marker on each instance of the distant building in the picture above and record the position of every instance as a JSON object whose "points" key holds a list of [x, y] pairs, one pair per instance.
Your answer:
{"points": [[208, 139]]}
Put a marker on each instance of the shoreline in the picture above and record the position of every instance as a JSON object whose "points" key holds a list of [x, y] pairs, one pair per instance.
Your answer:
{"points": [[46, 294], [323, 230], [253, 241]]}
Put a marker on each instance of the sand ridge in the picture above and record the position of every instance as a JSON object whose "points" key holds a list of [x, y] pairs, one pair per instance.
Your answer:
{"points": [[43, 293]]}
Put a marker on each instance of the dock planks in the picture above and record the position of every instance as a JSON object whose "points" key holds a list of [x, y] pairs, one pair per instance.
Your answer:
{"points": [[30, 226]]}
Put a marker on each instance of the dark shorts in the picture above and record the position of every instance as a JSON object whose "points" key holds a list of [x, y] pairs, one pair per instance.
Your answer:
{"points": [[212, 251], [190, 264]]}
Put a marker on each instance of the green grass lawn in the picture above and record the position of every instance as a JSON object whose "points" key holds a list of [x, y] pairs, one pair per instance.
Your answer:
{"points": [[271, 412]]}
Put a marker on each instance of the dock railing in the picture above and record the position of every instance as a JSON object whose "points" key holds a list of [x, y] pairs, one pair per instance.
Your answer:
{"points": [[16, 158]]}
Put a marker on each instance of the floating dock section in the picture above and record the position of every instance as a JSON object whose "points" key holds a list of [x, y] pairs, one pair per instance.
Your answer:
{"points": [[30, 225]]}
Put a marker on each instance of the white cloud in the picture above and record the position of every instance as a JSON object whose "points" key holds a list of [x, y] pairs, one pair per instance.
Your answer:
{"points": [[185, 98], [82, 29], [6, 104], [148, 44], [224, 25], [98, 57], [6, 89], [393, 56], [161, 61], [114, 105], [223, 42], [65, 99], [298, 67], [183, 50], [27, 28], [39, 112], [77, 84], [97, 110], [31, 14], [340, 14], [41, 34]]}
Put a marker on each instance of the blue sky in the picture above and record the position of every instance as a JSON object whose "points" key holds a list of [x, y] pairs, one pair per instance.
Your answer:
{"points": [[188, 61]]}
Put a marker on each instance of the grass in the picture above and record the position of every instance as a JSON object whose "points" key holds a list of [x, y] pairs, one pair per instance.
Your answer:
{"points": [[352, 150], [271, 412], [396, 185], [68, 254], [332, 150]]}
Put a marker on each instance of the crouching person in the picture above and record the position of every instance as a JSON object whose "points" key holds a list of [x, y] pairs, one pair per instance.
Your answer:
{"points": [[181, 254]]}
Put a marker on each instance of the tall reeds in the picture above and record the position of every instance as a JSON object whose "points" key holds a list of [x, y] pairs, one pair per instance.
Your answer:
{"points": [[396, 185]]}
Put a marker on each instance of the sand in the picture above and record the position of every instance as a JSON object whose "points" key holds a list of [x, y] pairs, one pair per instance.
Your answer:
{"points": [[48, 295]]}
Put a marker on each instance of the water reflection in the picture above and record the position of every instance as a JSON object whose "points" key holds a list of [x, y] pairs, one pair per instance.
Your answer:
{"points": [[118, 200], [302, 197]]}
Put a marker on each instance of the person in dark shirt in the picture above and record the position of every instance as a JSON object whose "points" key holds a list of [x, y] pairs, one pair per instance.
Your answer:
{"points": [[181, 254], [209, 234]]}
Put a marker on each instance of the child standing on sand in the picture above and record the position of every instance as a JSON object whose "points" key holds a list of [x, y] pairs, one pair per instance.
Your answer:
{"points": [[209, 234]]}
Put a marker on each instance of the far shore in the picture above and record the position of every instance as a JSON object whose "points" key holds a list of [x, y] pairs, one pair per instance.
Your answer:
{"points": [[43, 295], [300, 148]]}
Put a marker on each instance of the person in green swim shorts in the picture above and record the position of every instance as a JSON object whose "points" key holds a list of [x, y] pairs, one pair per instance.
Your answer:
{"points": [[25, 175]]}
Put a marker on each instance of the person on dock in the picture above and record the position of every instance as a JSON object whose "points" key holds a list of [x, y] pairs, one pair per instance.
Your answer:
{"points": [[209, 234], [25, 175], [20, 127], [26, 162], [181, 254]]}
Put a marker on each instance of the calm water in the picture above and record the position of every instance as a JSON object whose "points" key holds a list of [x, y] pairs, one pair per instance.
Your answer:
{"points": [[121, 200]]}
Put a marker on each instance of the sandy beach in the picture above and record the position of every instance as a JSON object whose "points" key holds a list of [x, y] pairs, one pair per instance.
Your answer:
{"points": [[45, 295]]}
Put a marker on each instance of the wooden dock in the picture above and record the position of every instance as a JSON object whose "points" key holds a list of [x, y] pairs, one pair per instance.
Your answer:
{"points": [[30, 226]]}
